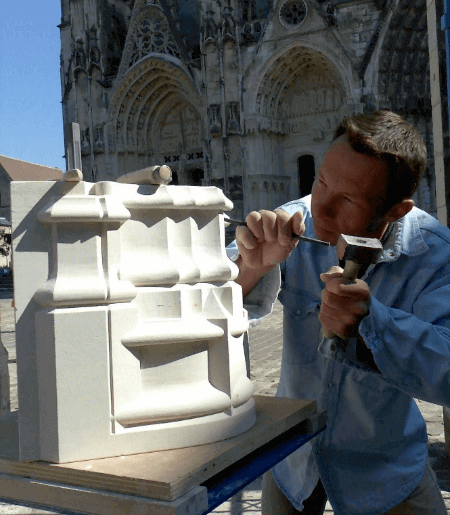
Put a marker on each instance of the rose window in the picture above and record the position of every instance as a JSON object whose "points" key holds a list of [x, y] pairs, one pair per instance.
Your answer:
{"points": [[293, 13]]}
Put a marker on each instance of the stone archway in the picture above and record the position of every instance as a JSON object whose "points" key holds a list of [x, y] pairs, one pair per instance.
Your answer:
{"points": [[154, 91], [180, 142], [300, 101]]}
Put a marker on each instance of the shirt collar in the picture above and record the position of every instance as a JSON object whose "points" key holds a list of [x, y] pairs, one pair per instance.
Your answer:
{"points": [[405, 238]]}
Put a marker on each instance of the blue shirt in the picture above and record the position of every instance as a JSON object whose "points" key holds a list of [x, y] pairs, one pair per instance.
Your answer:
{"points": [[373, 453]]}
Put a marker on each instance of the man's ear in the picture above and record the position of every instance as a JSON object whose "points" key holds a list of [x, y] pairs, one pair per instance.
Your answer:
{"points": [[399, 210]]}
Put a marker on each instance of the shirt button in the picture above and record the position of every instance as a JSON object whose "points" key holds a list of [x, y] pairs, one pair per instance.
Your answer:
{"points": [[330, 384], [299, 312], [320, 451]]}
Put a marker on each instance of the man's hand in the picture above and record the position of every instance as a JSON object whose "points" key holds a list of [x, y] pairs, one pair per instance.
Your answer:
{"points": [[344, 305], [265, 242]]}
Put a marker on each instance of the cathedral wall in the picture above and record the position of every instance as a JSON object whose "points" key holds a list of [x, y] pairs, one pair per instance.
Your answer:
{"points": [[237, 96]]}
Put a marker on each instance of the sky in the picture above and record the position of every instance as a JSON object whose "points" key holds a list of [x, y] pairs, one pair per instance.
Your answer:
{"points": [[31, 126]]}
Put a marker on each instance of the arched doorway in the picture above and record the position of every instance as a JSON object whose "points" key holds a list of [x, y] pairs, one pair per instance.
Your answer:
{"points": [[306, 174]]}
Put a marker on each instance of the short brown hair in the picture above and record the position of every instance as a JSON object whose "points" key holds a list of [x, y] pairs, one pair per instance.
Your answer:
{"points": [[392, 139]]}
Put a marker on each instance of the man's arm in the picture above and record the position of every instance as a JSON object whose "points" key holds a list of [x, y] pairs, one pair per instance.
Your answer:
{"points": [[265, 242], [410, 350]]}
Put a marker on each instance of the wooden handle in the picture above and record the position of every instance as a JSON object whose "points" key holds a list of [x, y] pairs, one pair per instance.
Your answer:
{"points": [[350, 272]]}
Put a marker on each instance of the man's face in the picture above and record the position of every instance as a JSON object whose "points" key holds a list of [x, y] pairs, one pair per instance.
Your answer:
{"points": [[347, 193]]}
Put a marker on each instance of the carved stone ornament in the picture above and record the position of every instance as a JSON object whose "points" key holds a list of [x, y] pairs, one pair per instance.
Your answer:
{"points": [[293, 13], [85, 142], [228, 25], [233, 126], [210, 27], [125, 296], [99, 142], [215, 120], [153, 35]]}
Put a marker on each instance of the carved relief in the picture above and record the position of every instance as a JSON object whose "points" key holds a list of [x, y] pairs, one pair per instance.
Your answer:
{"points": [[209, 27], [308, 102], [99, 141], [302, 82], [79, 57], [269, 125], [233, 126], [94, 56], [153, 35], [215, 120], [180, 132], [228, 25], [85, 142]]}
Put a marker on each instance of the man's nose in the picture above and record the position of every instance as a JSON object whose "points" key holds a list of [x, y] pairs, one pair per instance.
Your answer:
{"points": [[325, 206]]}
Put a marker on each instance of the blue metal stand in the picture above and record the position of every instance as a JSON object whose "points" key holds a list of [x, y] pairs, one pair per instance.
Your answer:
{"points": [[224, 485]]}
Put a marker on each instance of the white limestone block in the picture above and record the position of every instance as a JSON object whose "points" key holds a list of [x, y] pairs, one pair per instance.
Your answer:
{"points": [[129, 326]]}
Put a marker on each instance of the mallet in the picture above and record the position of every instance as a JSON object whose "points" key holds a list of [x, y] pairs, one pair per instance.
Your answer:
{"points": [[357, 252]]}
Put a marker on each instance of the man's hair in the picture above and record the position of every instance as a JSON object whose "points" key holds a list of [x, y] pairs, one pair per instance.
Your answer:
{"points": [[389, 137]]}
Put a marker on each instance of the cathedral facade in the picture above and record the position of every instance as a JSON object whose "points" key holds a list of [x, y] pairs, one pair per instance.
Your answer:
{"points": [[241, 94]]}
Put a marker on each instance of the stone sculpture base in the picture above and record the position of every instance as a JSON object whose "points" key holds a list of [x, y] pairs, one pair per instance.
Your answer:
{"points": [[129, 326]]}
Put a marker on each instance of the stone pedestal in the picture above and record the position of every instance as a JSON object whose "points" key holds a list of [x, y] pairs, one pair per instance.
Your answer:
{"points": [[129, 326]]}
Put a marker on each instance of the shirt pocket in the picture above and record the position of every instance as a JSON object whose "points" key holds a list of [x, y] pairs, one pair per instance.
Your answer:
{"points": [[301, 326]]}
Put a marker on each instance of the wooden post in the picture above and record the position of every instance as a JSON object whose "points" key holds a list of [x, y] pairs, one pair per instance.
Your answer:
{"points": [[438, 145], [436, 106]]}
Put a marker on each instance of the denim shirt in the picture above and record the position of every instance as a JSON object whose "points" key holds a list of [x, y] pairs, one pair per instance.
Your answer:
{"points": [[373, 453]]}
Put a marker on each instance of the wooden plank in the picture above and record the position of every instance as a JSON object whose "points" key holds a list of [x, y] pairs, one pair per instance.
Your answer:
{"points": [[87, 500], [166, 475]]}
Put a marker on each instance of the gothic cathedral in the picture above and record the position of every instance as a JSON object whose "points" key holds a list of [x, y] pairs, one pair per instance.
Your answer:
{"points": [[241, 94]]}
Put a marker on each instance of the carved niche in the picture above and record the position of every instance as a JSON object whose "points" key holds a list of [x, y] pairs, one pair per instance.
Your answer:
{"points": [[215, 120]]}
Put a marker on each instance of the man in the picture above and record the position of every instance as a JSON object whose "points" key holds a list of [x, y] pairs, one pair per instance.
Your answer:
{"points": [[393, 325]]}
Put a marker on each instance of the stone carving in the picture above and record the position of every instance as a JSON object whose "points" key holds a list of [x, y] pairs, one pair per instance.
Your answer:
{"points": [[85, 142], [153, 35], [328, 13], [151, 175], [99, 142], [233, 125], [215, 120], [209, 27], [251, 29], [266, 124], [293, 13], [94, 58], [149, 335], [308, 102], [79, 57], [228, 25]]}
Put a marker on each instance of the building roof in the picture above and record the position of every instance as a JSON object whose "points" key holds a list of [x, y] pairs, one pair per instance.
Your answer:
{"points": [[25, 171]]}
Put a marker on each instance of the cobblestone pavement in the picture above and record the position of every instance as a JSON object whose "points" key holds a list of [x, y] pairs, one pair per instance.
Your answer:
{"points": [[265, 359]]}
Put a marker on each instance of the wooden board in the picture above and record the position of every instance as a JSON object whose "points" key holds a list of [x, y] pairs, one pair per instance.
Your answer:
{"points": [[44, 495], [163, 475]]}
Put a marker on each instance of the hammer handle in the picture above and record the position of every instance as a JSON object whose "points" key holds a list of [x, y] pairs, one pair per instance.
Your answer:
{"points": [[350, 272]]}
